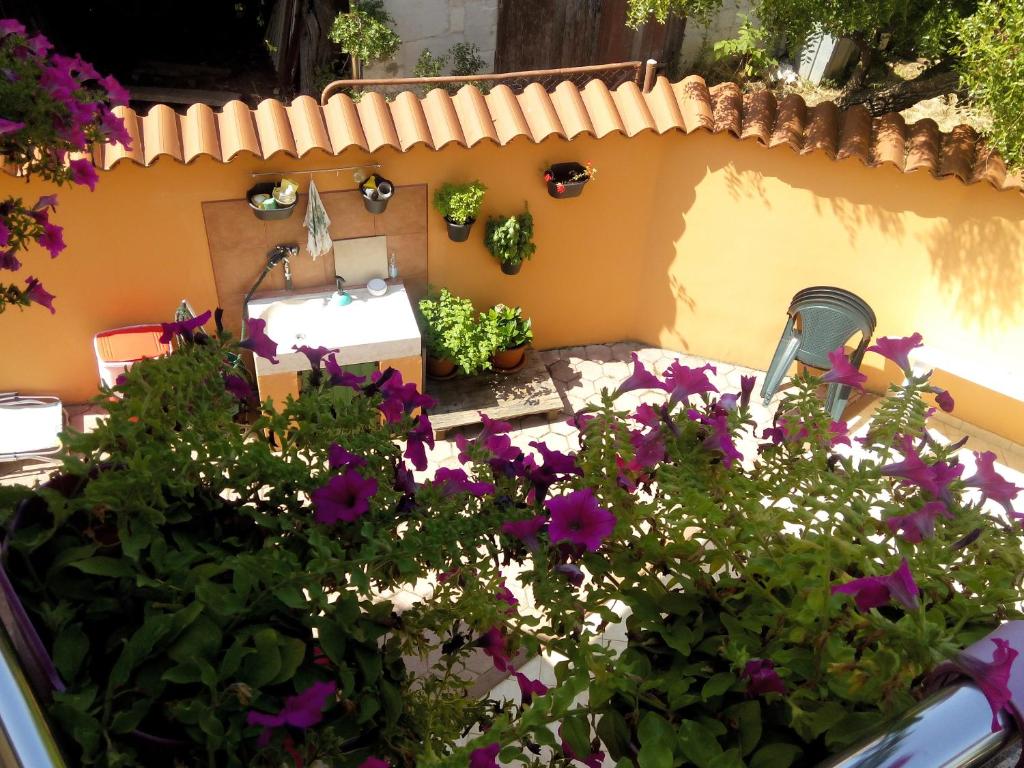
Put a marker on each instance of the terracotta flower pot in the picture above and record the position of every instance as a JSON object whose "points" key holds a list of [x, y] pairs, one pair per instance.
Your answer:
{"points": [[506, 359], [459, 233], [440, 367]]}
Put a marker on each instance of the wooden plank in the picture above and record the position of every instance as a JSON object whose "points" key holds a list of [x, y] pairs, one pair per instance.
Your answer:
{"points": [[182, 96], [499, 395]]}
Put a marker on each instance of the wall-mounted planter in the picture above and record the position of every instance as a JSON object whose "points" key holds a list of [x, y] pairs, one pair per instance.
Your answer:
{"points": [[459, 233], [376, 198], [511, 269], [566, 180], [267, 214]]}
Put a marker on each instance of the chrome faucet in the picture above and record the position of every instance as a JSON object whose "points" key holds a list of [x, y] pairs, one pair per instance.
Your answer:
{"points": [[284, 253]]}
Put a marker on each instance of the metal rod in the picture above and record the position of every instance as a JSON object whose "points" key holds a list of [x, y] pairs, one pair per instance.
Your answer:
{"points": [[25, 736], [950, 729], [529, 73], [650, 73], [339, 169]]}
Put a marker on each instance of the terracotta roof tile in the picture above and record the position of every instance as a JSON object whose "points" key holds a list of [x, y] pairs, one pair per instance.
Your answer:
{"points": [[469, 117]]}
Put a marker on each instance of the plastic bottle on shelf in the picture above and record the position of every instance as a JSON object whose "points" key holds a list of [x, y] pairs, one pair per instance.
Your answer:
{"points": [[392, 266]]}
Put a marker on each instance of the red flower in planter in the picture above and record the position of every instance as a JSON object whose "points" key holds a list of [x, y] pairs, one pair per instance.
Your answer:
{"points": [[548, 176], [560, 187]]}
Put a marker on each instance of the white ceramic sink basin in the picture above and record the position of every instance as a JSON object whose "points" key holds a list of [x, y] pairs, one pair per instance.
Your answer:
{"points": [[369, 329]]}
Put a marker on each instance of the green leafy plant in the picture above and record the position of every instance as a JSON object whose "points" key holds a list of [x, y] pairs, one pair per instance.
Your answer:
{"points": [[746, 55], [510, 239], [429, 65], [452, 330], [465, 59], [507, 327], [460, 203], [365, 33]]}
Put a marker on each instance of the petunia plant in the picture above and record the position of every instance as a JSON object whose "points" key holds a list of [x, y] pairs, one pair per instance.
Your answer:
{"points": [[53, 108], [215, 593]]}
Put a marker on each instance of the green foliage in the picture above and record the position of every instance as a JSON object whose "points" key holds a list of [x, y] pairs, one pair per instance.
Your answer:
{"points": [[746, 55], [639, 12], [429, 65], [365, 32], [992, 69], [465, 59], [460, 203], [510, 239], [452, 329], [507, 327]]}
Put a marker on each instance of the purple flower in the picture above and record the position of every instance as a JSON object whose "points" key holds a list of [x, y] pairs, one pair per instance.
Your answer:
{"points": [[646, 415], [593, 760], [838, 433], [11, 27], [682, 381], [485, 757], [746, 389], [641, 378], [842, 371], [719, 438], [580, 419], [417, 440], [943, 399], [237, 386], [304, 710], [82, 172], [991, 676], [400, 399], [494, 645], [918, 525], [257, 340], [314, 354], [5, 234], [578, 518], [529, 688], [452, 481], [934, 479], [9, 261], [993, 485], [9, 126], [785, 430], [763, 678], [504, 594], [338, 457], [556, 464], [525, 530], [648, 449], [341, 377], [874, 591], [35, 293], [404, 480], [183, 327], [573, 573], [52, 239], [44, 202], [374, 762], [344, 497], [116, 93], [897, 350]]}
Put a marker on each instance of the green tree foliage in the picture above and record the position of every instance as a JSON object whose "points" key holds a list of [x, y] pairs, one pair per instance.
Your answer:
{"points": [[992, 69], [365, 32]]}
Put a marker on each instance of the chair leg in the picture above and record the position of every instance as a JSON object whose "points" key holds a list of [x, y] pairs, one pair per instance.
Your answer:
{"points": [[838, 396], [785, 354]]}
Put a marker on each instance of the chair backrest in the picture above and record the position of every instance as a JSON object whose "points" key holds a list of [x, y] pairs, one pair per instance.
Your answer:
{"points": [[828, 291], [827, 321]]}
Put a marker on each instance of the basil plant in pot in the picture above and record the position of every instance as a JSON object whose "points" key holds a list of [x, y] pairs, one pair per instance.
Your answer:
{"points": [[454, 335], [510, 334], [510, 241], [460, 205]]}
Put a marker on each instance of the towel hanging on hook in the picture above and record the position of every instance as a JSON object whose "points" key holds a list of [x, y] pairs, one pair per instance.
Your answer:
{"points": [[317, 222]]}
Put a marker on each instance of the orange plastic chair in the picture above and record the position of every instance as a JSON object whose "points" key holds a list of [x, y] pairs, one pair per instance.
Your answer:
{"points": [[118, 348]]}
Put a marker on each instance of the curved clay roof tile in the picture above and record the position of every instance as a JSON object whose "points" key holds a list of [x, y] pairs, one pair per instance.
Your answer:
{"points": [[307, 125], [855, 134], [957, 153], [474, 115], [114, 153], [237, 126], [198, 127], [604, 113], [790, 123], [442, 119], [274, 129], [410, 121], [632, 109], [759, 111], [343, 125], [923, 146], [506, 114], [661, 101], [822, 129], [695, 104], [378, 127], [540, 113], [571, 110], [890, 140], [727, 108]]}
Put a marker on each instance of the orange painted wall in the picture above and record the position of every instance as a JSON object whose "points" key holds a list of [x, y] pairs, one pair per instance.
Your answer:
{"points": [[691, 242]]}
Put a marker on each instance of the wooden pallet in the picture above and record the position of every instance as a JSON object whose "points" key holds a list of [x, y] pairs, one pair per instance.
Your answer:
{"points": [[525, 392]]}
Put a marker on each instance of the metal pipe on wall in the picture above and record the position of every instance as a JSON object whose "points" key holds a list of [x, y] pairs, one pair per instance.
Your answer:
{"points": [[26, 740]]}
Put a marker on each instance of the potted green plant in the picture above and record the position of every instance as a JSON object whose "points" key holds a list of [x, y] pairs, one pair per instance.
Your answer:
{"points": [[510, 240], [568, 179], [510, 333], [460, 205], [454, 335]]}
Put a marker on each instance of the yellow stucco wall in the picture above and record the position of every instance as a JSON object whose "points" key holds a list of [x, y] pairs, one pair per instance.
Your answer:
{"points": [[690, 242]]}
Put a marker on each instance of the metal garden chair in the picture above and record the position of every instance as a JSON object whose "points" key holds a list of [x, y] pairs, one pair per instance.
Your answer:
{"points": [[821, 319]]}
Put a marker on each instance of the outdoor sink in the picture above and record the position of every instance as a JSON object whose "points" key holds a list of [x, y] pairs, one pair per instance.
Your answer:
{"points": [[369, 329]]}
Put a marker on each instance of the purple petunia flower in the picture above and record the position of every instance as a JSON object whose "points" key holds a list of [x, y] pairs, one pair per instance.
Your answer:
{"points": [[529, 688], [304, 710], [579, 519], [238, 386], [52, 239], [746, 389], [574, 574], [647, 416], [495, 646], [35, 293], [344, 497], [9, 261], [874, 591], [401, 399], [719, 438], [452, 481], [943, 399], [5, 234], [556, 464], [933, 478], [838, 433], [485, 757], [580, 419], [897, 350], [993, 485], [341, 377], [525, 530], [44, 202], [919, 525], [374, 762], [183, 327], [417, 440], [682, 382], [991, 676], [763, 678], [641, 378], [842, 371], [257, 340], [338, 457], [11, 27], [314, 354], [9, 126], [116, 93], [504, 594], [83, 172]]}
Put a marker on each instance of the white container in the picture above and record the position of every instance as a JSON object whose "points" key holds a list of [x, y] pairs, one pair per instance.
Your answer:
{"points": [[29, 425], [377, 287]]}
